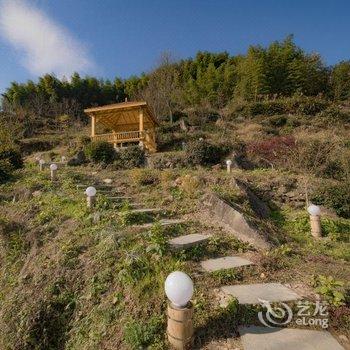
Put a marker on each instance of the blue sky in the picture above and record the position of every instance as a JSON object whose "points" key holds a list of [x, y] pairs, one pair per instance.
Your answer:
{"points": [[109, 38]]}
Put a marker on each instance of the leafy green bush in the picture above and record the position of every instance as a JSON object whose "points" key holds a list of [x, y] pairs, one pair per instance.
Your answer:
{"points": [[203, 153], [330, 289], [13, 156], [10, 159], [336, 196], [5, 171], [100, 152], [158, 241], [291, 105], [130, 157], [145, 177]]}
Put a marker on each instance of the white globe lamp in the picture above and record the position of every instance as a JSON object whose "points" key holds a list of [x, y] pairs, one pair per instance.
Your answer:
{"points": [[314, 210], [91, 191], [179, 290]]}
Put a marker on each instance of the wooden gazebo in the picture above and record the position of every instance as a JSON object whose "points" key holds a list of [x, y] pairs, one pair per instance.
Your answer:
{"points": [[128, 122]]}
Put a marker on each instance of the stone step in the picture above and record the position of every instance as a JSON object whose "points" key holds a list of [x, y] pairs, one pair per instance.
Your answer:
{"points": [[227, 262], [119, 198], [264, 338], [163, 222], [100, 188], [187, 241], [146, 210], [255, 293]]}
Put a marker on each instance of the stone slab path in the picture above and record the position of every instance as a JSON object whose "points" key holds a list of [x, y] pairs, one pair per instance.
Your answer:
{"points": [[227, 262], [254, 293], [162, 222], [263, 338], [118, 198], [146, 210], [187, 241]]}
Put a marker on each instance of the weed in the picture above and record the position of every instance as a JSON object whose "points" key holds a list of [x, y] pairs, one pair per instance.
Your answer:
{"points": [[227, 276], [330, 289], [157, 239], [141, 335]]}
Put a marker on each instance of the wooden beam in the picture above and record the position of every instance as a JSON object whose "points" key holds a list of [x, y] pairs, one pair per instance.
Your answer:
{"points": [[141, 120], [93, 126]]}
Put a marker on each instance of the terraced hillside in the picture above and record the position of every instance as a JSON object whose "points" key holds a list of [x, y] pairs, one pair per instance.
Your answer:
{"points": [[74, 278]]}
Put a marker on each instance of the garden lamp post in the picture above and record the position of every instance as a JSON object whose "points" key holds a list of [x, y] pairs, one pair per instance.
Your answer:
{"points": [[179, 290], [90, 196], [41, 164], [229, 164], [53, 169], [315, 220]]}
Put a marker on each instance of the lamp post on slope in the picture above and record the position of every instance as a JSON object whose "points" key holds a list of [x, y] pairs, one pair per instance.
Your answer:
{"points": [[41, 164], [179, 290], [229, 164], [315, 220], [90, 196], [53, 169]]}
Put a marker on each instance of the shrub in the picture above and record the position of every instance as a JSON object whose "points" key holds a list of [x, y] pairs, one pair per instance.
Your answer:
{"points": [[203, 153], [140, 335], [273, 151], [100, 152], [291, 105], [13, 156], [336, 196], [330, 289], [84, 140], [5, 171], [144, 177], [168, 160], [130, 157]]}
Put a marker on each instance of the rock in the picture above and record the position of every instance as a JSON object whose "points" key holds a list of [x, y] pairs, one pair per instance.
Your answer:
{"points": [[259, 206], [78, 159], [107, 181], [264, 338], [234, 221], [227, 262], [37, 193], [253, 293], [187, 241]]}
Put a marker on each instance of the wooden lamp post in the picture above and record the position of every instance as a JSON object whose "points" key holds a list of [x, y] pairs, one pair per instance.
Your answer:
{"points": [[41, 164], [53, 169], [229, 164], [315, 220], [179, 290], [90, 196]]}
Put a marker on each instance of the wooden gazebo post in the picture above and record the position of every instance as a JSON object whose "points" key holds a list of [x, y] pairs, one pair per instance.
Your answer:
{"points": [[93, 126], [141, 126]]}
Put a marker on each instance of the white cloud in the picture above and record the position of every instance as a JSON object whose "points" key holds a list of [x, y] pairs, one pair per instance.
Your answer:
{"points": [[46, 46]]}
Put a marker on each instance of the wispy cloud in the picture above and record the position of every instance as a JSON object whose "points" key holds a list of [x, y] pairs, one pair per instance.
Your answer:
{"points": [[44, 45]]}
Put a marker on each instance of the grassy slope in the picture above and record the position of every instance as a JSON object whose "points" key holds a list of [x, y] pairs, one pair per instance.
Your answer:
{"points": [[68, 282]]}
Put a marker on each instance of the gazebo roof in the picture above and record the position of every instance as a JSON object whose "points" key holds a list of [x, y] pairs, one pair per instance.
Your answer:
{"points": [[125, 113]]}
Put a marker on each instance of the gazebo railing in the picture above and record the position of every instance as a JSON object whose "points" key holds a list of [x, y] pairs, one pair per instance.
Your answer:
{"points": [[118, 137], [147, 137]]}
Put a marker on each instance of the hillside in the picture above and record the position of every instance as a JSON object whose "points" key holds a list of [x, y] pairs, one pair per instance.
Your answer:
{"points": [[75, 279]]}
